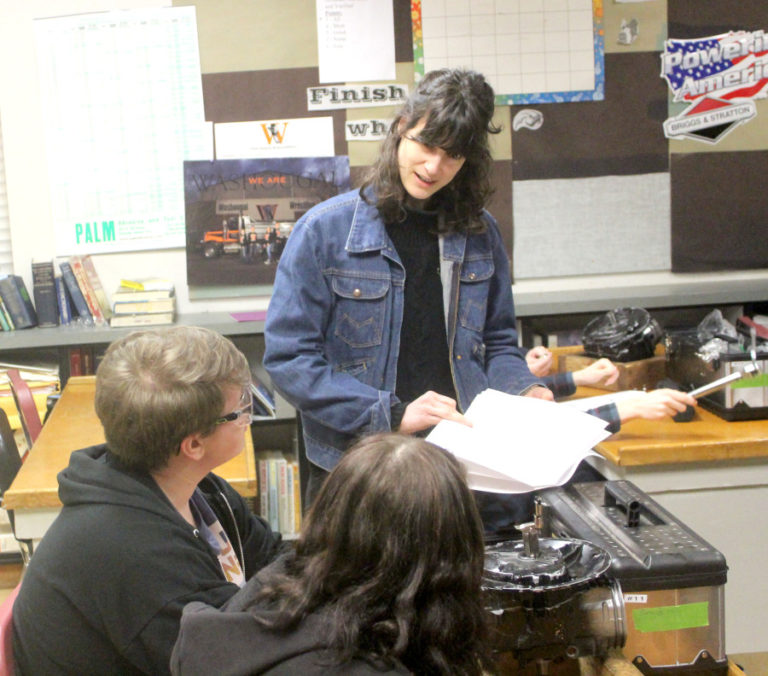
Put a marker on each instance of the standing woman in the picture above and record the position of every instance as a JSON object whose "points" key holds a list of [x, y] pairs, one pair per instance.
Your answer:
{"points": [[392, 307]]}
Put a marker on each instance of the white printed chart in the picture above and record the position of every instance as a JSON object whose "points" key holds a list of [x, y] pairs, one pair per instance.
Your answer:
{"points": [[123, 107], [531, 51]]}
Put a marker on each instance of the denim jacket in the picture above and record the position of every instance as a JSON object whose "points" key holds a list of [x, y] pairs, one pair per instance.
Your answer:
{"points": [[333, 324]]}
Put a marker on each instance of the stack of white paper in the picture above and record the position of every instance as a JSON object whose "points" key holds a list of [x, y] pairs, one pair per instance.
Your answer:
{"points": [[519, 444]]}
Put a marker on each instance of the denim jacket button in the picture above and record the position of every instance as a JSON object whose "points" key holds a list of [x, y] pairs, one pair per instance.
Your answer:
{"points": [[357, 293], [472, 275], [458, 357]]}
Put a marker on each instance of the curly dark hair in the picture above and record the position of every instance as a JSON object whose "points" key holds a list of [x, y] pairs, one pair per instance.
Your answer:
{"points": [[392, 550], [457, 107]]}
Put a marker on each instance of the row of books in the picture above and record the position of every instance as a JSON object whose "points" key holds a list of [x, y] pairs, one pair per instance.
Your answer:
{"points": [[74, 294], [279, 492], [84, 359], [143, 303]]}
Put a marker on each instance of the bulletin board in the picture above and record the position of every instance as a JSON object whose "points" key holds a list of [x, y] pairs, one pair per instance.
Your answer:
{"points": [[584, 187]]}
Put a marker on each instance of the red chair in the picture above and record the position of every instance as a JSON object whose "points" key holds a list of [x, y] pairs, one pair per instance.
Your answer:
{"points": [[25, 402], [6, 646]]}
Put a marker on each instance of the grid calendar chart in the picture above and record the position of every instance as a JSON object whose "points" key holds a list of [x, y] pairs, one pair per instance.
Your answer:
{"points": [[531, 51]]}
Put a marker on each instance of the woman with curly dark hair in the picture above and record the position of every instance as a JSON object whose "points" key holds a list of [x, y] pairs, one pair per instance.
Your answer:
{"points": [[385, 578], [392, 306]]}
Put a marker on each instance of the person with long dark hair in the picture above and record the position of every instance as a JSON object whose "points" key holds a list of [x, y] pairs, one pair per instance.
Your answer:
{"points": [[392, 306], [385, 578]]}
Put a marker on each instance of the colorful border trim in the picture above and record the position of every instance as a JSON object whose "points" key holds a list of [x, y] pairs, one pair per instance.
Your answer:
{"points": [[597, 94]]}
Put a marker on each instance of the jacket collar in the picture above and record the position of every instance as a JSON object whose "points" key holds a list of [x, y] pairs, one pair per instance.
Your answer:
{"points": [[368, 233]]}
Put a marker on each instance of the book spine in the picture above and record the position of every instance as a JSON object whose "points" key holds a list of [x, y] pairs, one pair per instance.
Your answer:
{"points": [[75, 361], [4, 319], [85, 287], [62, 298], [86, 360], [75, 294], [283, 506], [14, 303], [296, 496], [149, 319], [8, 317], [44, 291], [26, 299], [96, 285], [274, 511], [143, 306], [264, 488]]}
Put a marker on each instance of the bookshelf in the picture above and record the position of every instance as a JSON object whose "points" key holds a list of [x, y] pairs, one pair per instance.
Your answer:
{"points": [[65, 336]]}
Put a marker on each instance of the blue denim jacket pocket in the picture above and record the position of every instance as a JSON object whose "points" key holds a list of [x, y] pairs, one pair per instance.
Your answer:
{"points": [[474, 287], [361, 305]]}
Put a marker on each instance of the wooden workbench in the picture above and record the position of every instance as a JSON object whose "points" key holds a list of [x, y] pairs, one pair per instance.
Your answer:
{"points": [[73, 425]]}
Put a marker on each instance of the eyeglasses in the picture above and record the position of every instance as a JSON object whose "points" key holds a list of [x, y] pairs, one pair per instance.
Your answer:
{"points": [[242, 415], [428, 148]]}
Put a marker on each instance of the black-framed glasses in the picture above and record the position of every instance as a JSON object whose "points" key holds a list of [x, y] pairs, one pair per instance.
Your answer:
{"points": [[242, 415], [425, 146]]}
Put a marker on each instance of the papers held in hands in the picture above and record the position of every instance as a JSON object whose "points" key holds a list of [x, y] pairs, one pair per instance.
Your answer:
{"points": [[519, 444]]}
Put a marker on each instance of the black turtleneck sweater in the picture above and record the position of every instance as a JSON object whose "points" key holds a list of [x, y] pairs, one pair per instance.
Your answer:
{"points": [[423, 362]]}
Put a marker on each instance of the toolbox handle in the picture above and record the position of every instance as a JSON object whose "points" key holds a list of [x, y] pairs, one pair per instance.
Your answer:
{"points": [[617, 495]]}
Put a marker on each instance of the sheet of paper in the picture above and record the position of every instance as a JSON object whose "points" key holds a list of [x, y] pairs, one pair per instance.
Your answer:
{"points": [[355, 40], [116, 137], [518, 444]]}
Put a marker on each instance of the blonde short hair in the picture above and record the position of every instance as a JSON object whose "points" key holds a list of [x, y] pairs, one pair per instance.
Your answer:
{"points": [[156, 387]]}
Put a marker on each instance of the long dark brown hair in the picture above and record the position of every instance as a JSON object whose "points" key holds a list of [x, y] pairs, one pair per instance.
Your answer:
{"points": [[457, 107], [392, 551]]}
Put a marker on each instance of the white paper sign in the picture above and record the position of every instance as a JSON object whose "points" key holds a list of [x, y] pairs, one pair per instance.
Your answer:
{"points": [[366, 130], [300, 137], [355, 40]]}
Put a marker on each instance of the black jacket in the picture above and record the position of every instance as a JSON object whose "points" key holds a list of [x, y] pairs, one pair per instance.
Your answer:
{"points": [[230, 642], [105, 589]]}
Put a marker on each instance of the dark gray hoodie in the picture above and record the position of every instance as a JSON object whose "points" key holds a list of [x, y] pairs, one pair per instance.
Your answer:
{"points": [[230, 642], [105, 589]]}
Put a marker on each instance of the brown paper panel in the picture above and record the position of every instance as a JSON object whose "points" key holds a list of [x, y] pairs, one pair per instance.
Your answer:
{"points": [[243, 35], [501, 204], [719, 206], [266, 95], [702, 18], [618, 136]]}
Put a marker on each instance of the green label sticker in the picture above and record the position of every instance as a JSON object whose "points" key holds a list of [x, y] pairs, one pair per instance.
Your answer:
{"points": [[667, 618], [753, 381]]}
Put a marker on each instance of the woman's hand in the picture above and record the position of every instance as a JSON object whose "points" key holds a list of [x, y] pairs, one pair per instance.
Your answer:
{"points": [[539, 360], [428, 410], [539, 392]]}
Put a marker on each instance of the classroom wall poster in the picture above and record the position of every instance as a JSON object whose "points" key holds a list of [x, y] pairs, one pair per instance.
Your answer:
{"points": [[123, 107], [719, 77], [240, 213], [529, 52]]}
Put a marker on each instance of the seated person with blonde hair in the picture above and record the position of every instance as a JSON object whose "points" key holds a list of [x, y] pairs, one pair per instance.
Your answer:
{"points": [[385, 578], [146, 527]]}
